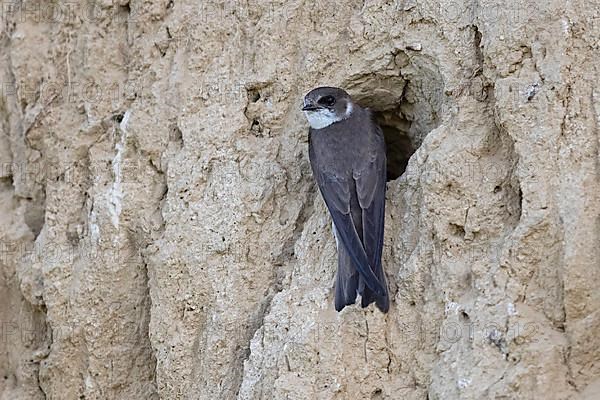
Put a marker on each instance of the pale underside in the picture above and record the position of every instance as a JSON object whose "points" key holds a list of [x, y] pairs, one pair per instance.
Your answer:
{"points": [[323, 118]]}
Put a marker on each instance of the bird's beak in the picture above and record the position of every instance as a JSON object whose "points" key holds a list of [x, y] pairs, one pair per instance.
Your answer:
{"points": [[310, 107]]}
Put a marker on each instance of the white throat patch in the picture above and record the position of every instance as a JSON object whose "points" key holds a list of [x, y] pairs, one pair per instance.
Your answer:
{"points": [[323, 118]]}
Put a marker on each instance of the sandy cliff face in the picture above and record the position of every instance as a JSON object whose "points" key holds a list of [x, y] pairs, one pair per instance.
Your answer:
{"points": [[162, 237]]}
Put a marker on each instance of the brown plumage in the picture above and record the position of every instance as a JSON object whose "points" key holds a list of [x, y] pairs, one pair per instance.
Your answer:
{"points": [[347, 156]]}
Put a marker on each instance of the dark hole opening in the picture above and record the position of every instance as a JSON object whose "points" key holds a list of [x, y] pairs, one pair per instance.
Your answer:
{"points": [[406, 106], [398, 150], [399, 146]]}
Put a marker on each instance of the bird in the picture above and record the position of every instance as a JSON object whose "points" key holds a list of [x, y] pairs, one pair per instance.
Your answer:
{"points": [[348, 159]]}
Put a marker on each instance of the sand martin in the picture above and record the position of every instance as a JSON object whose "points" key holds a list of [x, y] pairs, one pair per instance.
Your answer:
{"points": [[347, 156]]}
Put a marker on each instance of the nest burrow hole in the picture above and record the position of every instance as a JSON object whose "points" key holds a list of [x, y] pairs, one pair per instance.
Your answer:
{"points": [[406, 107]]}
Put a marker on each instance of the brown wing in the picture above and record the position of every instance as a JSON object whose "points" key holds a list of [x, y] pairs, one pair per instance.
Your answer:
{"points": [[370, 180], [335, 190]]}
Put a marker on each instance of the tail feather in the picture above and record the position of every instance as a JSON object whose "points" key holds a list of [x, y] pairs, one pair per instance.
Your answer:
{"points": [[349, 283], [346, 284], [368, 296]]}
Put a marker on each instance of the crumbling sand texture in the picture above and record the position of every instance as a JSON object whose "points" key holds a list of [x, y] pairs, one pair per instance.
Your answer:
{"points": [[162, 238]]}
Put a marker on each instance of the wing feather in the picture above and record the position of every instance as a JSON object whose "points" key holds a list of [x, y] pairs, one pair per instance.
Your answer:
{"points": [[370, 189], [336, 193]]}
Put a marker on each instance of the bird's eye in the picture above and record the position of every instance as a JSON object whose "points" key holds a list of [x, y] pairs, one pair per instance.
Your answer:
{"points": [[327, 101]]}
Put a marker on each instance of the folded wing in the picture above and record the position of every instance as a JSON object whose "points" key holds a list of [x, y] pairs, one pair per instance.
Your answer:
{"points": [[336, 193], [370, 179]]}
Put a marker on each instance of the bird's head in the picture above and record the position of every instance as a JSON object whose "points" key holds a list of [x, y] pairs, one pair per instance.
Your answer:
{"points": [[326, 105]]}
